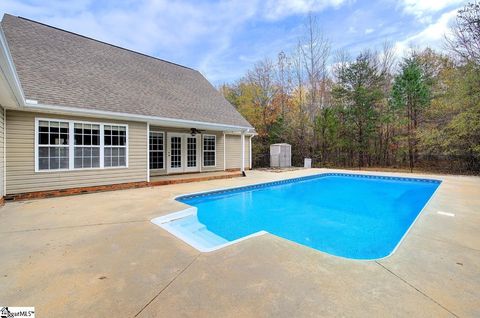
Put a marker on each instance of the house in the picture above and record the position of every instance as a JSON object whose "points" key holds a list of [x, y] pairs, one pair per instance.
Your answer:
{"points": [[80, 113]]}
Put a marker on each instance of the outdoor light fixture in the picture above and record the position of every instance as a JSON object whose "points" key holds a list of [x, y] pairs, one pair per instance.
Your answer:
{"points": [[194, 131]]}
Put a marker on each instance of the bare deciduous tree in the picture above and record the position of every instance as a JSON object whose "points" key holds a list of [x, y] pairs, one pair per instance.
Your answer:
{"points": [[283, 80], [315, 52], [464, 40], [262, 77], [341, 59]]}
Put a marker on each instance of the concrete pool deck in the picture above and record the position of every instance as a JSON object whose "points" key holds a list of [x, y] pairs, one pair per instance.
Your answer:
{"points": [[99, 255]]}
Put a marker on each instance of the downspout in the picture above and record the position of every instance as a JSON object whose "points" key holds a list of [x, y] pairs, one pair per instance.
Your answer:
{"points": [[201, 152], [243, 152], [224, 153], [250, 153]]}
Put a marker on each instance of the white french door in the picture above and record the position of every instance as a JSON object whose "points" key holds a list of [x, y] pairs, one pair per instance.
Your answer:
{"points": [[183, 153], [192, 153], [175, 153]]}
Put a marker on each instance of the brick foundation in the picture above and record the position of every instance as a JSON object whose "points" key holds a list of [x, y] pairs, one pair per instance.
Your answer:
{"points": [[120, 186], [186, 180], [73, 191]]}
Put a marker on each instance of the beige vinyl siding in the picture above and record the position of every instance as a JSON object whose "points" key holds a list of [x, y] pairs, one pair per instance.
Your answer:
{"points": [[234, 151], [219, 151], [2, 141], [21, 175]]}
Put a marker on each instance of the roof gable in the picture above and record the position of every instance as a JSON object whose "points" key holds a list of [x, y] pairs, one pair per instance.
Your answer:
{"points": [[57, 67]]}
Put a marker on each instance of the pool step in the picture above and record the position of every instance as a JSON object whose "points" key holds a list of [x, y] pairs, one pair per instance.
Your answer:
{"points": [[191, 227], [209, 238]]}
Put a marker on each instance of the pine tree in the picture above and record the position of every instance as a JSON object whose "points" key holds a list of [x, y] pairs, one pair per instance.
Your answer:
{"points": [[411, 94]]}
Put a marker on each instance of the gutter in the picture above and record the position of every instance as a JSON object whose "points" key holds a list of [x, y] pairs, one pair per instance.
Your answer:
{"points": [[153, 120]]}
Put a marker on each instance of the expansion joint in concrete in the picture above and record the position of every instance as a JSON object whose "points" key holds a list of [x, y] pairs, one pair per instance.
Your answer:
{"points": [[72, 226], [418, 290], [168, 285]]}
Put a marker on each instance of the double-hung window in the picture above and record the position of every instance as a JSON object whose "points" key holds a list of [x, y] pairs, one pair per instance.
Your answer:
{"points": [[73, 145], [156, 152], [53, 145], [209, 148], [87, 145], [115, 151]]}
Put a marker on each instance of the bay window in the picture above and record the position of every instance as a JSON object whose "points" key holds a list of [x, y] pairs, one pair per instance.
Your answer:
{"points": [[76, 145]]}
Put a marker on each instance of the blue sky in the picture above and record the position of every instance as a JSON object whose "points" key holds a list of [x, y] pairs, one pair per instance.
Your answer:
{"points": [[223, 39]]}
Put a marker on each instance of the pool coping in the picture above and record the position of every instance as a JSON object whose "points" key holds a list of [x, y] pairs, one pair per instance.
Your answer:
{"points": [[164, 220], [296, 179]]}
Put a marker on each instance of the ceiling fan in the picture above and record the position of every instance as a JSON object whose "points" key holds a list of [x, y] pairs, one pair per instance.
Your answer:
{"points": [[194, 131]]}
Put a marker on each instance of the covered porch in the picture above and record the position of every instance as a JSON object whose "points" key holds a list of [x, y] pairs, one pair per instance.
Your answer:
{"points": [[181, 154]]}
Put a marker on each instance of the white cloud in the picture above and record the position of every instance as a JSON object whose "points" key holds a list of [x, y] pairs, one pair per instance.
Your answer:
{"points": [[431, 36], [186, 32], [195, 33], [423, 9], [277, 9], [369, 30]]}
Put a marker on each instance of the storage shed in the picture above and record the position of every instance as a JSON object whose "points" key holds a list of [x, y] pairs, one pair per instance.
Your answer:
{"points": [[280, 155]]}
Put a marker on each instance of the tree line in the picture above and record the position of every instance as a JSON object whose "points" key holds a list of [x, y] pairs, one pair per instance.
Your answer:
{"points": [[376, 109]]}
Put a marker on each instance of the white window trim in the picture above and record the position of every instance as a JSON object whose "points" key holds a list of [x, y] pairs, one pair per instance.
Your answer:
{"points": [[164, 150], [203, 150], [71, 145]]}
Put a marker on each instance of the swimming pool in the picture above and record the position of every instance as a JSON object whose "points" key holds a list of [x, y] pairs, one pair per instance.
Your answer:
{"points": [[352, 216]]}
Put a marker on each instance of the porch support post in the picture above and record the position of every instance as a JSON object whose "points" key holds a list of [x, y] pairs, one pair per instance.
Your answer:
{"points": [[224, 152], [243, 151], [250, 153], [148, 152], [201, 152]]}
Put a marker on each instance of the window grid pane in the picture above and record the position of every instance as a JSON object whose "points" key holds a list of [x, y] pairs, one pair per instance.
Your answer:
{"points": [[86, 157], [115, 135], [114, 157]]}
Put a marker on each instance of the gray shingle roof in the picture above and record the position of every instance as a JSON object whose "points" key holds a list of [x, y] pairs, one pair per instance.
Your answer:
{"points": [[57, 67]]}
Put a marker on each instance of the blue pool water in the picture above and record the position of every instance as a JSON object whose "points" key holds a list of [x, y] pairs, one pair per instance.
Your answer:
{"points": [[359, 217]]}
